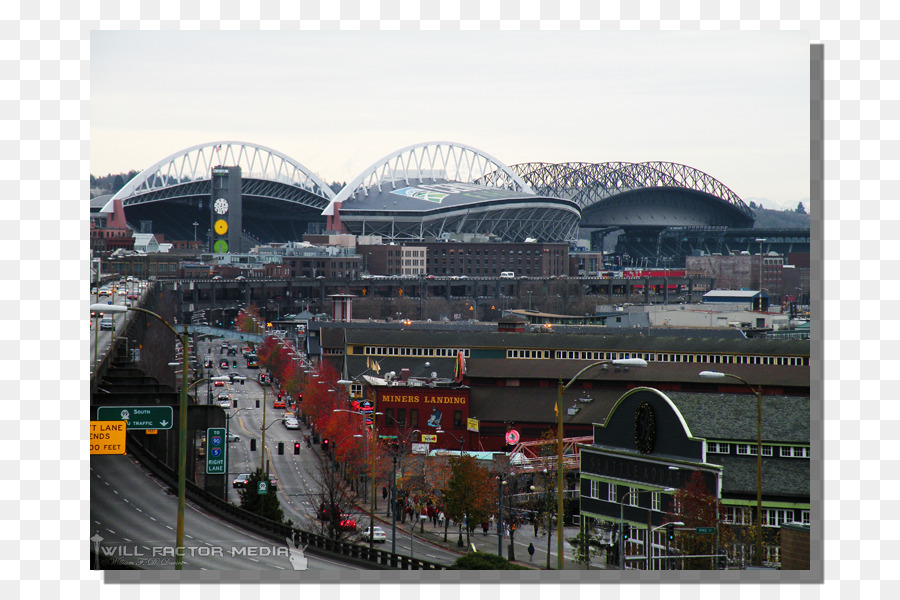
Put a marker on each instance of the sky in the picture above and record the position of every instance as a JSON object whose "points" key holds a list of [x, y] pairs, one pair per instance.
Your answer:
{"points": [[734, 105]]}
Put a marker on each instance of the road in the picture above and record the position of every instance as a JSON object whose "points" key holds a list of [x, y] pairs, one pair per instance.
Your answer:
{"points": [[133, 522]]}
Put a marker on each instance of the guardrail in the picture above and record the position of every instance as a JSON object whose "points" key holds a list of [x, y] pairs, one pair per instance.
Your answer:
{"points": [[319, 544]]}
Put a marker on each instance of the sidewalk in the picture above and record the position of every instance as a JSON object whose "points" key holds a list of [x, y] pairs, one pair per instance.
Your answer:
{"points": [[487, 543]]}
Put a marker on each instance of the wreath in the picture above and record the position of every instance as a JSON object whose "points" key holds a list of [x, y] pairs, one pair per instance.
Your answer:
{"points": [[644, 428]]}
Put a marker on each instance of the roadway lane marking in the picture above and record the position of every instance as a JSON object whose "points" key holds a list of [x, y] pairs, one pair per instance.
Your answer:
{"points": [[126, 539], [152, 518]]}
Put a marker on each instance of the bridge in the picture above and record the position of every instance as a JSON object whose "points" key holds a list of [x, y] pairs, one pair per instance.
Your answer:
{"points": [[278, 297]]}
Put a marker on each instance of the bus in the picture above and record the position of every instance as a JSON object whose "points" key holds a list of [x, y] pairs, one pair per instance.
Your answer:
{"points": [[252, 361]]}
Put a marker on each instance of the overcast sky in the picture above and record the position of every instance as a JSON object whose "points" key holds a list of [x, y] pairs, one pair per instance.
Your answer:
{"points": [[734, 105]]}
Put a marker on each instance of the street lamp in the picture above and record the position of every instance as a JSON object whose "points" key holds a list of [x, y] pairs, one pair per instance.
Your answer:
{"points": [[760, 240], [182, 419], [619, 362], [372, 465], [228, 441], [650, 545], [459, 542], [500, 483], [195, 230], [758, 393], [668, 490]]}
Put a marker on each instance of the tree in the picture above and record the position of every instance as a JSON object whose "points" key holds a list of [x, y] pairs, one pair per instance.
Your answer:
{"points": [[696, 506], [247, 320], [800, 209], [265, 505], [469, 493], [481, 561]]}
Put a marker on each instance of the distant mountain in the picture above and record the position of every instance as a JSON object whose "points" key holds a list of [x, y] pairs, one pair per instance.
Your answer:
{"points": [[779, 219]]}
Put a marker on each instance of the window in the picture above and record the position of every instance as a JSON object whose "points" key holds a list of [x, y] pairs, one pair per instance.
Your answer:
{"points": [[718, 448], [654, 501], [401, 416], [595, 489], [774, 517], [389, 416], [746, 449], [611, 493], [804, 517], [632, 497], [457, 418]]}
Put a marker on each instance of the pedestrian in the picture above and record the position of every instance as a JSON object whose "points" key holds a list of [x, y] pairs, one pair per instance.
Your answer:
{"points": [[384, 492], [441, 518], [530, 552]]}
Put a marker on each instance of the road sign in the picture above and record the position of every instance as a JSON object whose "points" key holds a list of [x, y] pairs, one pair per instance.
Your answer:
{"points": [[262, 487], [215, 451], [705, 530], [107, 437], [138, 417]]}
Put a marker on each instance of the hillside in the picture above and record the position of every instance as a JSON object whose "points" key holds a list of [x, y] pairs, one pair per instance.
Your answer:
{"points": [[779, 219]]}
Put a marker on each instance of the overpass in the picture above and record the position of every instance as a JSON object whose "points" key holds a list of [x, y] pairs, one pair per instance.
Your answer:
{"points": [[277, 297]]}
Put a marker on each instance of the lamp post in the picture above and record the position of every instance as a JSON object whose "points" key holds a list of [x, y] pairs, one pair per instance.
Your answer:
{"points": [[622, 523], [459, 542], [650, 537], [758, 392], [182, 420], [760, 240], [620, 362], [195, 230], [372, 477], [500, 483]]}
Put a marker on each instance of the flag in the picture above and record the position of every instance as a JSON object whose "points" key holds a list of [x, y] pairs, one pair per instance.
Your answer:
{"points": [[459, 369]]}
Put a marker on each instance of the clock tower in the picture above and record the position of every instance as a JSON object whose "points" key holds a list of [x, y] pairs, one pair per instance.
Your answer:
{"points": [[225, 211]]}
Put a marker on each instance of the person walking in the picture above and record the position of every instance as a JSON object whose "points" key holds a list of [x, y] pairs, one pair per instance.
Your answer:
{"points": [[530, 552]]}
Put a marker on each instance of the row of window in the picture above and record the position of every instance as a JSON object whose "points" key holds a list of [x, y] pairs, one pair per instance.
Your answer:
{"points": [[406, 351], [750, 449], [660, 357], [617, 493], [771, 517]]}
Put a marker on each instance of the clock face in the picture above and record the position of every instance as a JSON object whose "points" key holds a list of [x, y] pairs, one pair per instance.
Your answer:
{"points": [[221, 206]]}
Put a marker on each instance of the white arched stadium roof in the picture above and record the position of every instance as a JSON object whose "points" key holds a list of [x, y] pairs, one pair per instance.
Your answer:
{"points": [[431, 161], [196, 163]]}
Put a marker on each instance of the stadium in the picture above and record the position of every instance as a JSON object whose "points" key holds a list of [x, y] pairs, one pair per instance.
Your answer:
{"points": [[433, 191]]}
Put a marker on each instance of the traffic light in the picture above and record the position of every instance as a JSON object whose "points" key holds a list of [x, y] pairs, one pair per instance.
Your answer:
{"points": [[252, 444], [670, 532], [626, 532], [299, 397], [325, 445], [296, 447], [280, 447]]}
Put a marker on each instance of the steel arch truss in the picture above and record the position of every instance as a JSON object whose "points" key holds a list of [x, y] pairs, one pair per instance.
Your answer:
{"points": [[590, 183], [430, 162], [515, 222], [193, 165]]}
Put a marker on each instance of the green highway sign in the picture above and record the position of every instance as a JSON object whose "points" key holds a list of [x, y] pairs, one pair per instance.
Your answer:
{"points": [[215, 451], [705, 530], [262, 487], [138, 417]]}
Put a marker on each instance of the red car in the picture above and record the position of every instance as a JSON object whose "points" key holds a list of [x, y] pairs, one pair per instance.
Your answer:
{"points": [[219, 383], [279, 403], [347, 523]]}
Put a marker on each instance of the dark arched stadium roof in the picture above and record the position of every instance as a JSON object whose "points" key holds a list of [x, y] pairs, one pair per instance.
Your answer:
{"points": [[625, 194]]}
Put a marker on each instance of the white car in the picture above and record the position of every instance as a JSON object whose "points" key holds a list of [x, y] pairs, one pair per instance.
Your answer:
{"points": [[377, 534], [292, 424]]}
